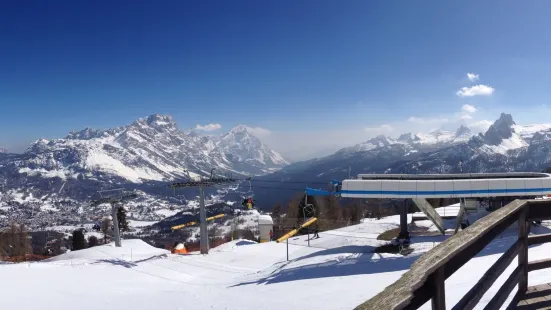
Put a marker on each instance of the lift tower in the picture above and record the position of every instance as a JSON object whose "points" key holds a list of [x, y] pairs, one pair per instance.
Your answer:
{"points": [[202, 184], [116, 201]]}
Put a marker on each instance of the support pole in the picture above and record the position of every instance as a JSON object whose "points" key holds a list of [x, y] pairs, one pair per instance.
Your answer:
{"points": [[404, 234], [304, 213], [287, 249], [114, 202], [308, 229], [523, 230], [116, 231], [203, 222], [439, 297]]}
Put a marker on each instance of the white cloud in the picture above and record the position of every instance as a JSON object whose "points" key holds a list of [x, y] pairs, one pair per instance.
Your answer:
{"points": [[420, 120], [259, 132], [477, 90], [385, 128], [473, 77], [481, 126], [467, 108], [208, 127], [467, 112]]}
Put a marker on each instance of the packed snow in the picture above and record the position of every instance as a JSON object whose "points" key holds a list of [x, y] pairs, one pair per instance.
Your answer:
{"points": [[338, 271], [528, 131], [514, 142]]}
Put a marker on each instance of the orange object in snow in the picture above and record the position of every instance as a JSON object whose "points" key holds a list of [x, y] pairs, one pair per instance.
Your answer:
{"points": [[179, 249]]}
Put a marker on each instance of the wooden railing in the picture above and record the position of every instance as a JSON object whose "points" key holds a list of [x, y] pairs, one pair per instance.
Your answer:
{"points": [[425, 279]]}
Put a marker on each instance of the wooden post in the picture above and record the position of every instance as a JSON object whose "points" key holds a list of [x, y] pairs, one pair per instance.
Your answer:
{"points": [[523, 253], [439, 298]]}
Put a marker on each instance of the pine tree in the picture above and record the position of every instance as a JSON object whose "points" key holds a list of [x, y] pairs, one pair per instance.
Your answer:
{"points": [[121, 218], [79, 242], [25, 244]]}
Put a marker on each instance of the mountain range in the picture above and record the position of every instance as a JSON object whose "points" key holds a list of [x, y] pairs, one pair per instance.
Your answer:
{"points": [[505, 146], [53, 176], [53, 181]]}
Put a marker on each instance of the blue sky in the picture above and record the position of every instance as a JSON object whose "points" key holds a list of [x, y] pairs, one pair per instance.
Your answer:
{"points": [[341, 71]]}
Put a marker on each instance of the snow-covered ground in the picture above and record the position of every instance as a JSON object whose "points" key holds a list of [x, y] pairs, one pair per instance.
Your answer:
{"points": [[338, 271]]}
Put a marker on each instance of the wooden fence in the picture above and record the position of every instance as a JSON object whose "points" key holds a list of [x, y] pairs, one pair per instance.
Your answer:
{"points": [[425, 279]]}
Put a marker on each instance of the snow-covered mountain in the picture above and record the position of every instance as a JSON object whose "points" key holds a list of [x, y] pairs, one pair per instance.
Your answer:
{"points": [[54, 179], [239, 144], [416, 142], [58, 176], [150, 149], [505, 146]]}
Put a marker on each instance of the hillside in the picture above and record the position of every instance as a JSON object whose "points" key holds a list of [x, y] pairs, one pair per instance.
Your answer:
{"points": [[338, 271]]}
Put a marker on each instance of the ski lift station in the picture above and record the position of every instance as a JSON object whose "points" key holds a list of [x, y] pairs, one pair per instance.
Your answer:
{"points": [[497, 188]]}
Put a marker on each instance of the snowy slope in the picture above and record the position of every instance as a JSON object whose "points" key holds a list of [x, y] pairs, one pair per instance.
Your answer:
{"points": [[338, 271], [528, 131]]}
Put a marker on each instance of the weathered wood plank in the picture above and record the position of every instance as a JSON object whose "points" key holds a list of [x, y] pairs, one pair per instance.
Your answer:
{"points": [[539, 264], [470, 300], [536, 297], [535, 300], [412, 290], [439, 298], [522, 303], [504, 291], [523, 253], [539, 239]]}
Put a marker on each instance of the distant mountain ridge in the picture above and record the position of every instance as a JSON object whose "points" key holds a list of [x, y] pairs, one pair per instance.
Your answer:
{"points": [[505, 146], [151, 148], [436, 138]]}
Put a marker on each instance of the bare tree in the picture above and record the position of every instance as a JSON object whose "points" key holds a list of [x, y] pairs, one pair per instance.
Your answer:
{"points": [[15, 241], [106, 224], [233, 228]]}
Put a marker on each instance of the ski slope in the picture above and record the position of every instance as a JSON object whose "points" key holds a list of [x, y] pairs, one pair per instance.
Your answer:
{"points": [[338, 271]]}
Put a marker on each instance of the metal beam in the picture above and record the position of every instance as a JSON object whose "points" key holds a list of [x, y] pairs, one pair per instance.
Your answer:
{"points": [[431, 213]]}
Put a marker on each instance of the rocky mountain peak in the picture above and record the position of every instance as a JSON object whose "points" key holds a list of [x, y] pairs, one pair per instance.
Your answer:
{"points": [[239, 129], [500, 130], [85, 134], [463, 130], [157, 122], [406, 138], [160, 120]]}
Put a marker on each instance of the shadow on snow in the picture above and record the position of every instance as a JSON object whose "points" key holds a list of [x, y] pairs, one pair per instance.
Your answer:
{"points": [[362, 260]]}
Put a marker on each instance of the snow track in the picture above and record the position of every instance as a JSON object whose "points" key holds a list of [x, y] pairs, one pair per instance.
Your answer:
{"points": [[339, 271]]}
